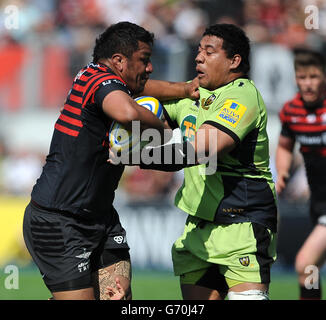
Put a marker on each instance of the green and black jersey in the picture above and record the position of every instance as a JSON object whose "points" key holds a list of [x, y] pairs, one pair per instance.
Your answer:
{"points": [[242, 189]]}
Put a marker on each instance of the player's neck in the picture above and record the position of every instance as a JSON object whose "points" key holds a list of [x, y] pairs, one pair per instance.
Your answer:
{"points": [[230, 78], [235, 76], [108, 63]]}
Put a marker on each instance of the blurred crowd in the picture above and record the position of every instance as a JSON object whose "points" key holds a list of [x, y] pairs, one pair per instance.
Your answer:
{"points": [[43, 44]]}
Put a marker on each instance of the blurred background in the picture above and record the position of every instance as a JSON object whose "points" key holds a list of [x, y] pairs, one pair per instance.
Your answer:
{"points": [[44, 43]]}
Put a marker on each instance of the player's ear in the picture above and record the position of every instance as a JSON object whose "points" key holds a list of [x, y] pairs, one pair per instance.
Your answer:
{"points": [[118, 61], [235, 61]]}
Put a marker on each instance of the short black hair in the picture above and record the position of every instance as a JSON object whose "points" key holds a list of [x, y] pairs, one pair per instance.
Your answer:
{"points": [[306, 57], [235, 41], [121, 37]]}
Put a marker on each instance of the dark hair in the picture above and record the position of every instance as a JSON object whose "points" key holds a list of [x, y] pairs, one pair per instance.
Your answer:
{"points": [[121, 37], [235, 41], [307, 58]]}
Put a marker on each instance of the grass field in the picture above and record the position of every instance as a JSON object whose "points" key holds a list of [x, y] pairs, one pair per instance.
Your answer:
{"points": [[149, 285]]}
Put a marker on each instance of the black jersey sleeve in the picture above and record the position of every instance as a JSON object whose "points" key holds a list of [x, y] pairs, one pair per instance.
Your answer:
{"points": [[286, 131], [108, 86]]}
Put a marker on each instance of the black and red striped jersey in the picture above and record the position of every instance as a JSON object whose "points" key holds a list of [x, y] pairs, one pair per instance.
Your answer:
{"points": [[76, 177], [307, 126]]}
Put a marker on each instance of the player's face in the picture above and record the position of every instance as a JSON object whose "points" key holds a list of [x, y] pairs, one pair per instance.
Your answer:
{"points": [[138, 68], [311, 83], [212, 64]]}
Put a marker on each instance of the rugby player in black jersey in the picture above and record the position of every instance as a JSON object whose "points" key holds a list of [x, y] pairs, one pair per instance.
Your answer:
{"points": [[71, 228], [304, 121]]}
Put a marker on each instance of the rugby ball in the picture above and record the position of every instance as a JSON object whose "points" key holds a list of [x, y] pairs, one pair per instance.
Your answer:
{"points": [[122, 140]]}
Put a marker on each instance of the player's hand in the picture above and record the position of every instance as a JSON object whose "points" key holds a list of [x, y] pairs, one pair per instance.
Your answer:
{"points": [[281, 181], [117, 293], [192, 89]]}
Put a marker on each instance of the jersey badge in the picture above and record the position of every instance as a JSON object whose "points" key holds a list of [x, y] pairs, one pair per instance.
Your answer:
{"points": [[206, 102], [231, 112], [245, 261]]}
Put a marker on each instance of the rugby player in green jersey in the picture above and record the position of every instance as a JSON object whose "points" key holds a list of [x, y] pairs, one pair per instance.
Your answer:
{"points": [[229, 240]]}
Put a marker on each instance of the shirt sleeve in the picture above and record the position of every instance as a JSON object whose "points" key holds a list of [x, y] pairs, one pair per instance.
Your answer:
{"points": [[107, 86], [285, 129], [235, 118], [171, 114]]}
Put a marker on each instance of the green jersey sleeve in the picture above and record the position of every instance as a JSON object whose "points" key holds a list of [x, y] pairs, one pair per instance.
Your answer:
{"points": [[170, 111], [235, 116]]}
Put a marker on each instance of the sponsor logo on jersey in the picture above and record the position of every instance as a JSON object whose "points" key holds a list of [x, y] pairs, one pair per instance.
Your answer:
{"points": [[231, 112], [311, 118], [118, 239], [245, 261], [233, 210], [206, 102], [188, 127], [84, 265], [84, 255], [311, 140], [106, 82]]}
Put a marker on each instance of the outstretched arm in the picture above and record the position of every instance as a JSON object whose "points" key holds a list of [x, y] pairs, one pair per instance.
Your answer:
{"points": [[167, 90]]}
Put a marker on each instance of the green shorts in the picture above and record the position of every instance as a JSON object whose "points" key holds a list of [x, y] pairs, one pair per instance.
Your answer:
{"points": [[240, 252]]}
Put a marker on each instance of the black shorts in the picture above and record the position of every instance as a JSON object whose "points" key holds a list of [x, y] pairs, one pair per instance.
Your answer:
{"points": [[67, 249], [318, 211]]}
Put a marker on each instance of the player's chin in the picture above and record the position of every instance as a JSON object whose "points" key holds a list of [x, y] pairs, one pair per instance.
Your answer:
{"points": [[310, 98], [203, 82], [141, 85], [139, 89]]}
